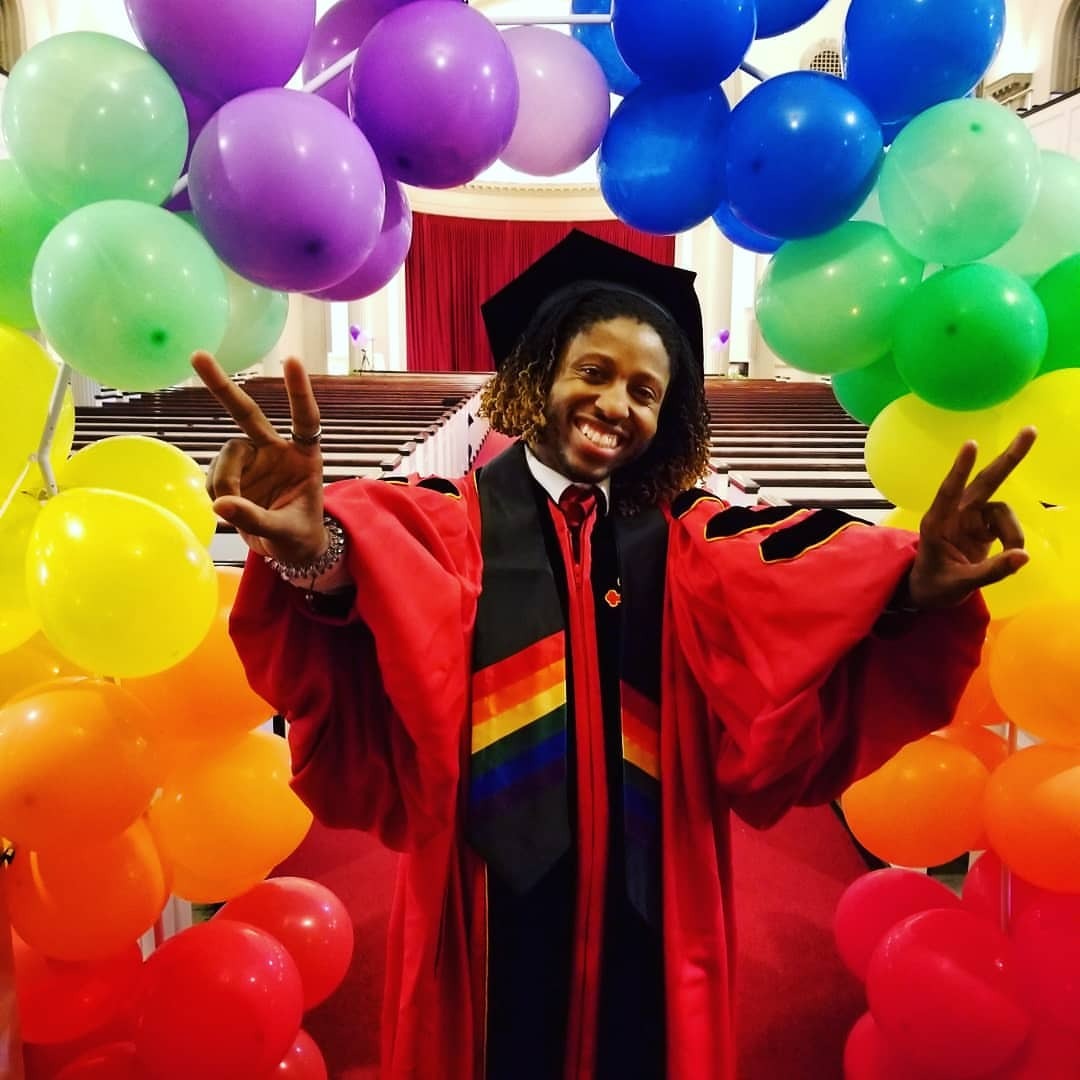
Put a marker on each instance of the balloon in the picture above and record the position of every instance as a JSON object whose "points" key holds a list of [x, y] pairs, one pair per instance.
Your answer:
{"points": [[341, 30], [970, 337], [18, 623], [776, 17], [1043, 580], [388, 255], [110, 1061], [939, 784], [946, 978], [959, 181], [1051, 231], [696, 46], [121, 586], [147, 467], [1034, 672], [1050, 1053], [303, 1061], [599, 39], [87, 901], [803, 155], [256, 320], [228, 816], [982, 889], [206, 695], [829, 304], [88, 117], [869, 1056], [35, 662], [563, 106], [990, 749], [919, 52], [126, 292], [30, 374], [74, 764], [1032, 815], [309, 920], [874, 903], [661, 162], [1058, 291], [434, 89], [199, 110], [222, 50], [286, 190], [220, 1001], [1047, 937], [864, 392], [60, 1001], [25, 221], [741, 234]]}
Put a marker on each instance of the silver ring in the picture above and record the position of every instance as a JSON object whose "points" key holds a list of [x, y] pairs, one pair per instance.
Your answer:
{"points": [[306, 440]]}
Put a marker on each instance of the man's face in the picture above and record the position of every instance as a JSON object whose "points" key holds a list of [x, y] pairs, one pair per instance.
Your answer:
{"points": [[605, 400]]}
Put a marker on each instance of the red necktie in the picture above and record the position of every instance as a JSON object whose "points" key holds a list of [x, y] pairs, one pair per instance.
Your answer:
{"points": [[577, 503]]}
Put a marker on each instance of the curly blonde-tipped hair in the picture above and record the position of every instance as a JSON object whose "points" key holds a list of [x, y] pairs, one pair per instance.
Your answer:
{"points": [[515, 399]]}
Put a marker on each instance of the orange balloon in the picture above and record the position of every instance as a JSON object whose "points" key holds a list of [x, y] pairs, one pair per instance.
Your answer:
{"points": [[74, 764], [30, 664], [923, 807], [206, 695], [225, 819], [1033, 816], [87, 902], [978, 707], [991, 749], [1035, 672]]}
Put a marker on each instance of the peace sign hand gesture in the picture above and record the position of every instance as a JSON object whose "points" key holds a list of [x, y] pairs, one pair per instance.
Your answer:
{"points": [[270, 488], [959, 529]]}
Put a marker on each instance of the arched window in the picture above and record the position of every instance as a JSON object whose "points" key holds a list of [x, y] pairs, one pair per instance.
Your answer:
{"points": [[1067, 50], [824, 56]]}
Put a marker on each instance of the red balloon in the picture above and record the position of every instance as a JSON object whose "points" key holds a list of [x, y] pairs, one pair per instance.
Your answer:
{"points": [[304, 1061], [982, 889], [946, 979], [1049, 1054], [868, 1056], [113, 1061], [1047, 937], [46, 1061], [874, 903], [60, 1000], [219, 1001], [309, 920]]}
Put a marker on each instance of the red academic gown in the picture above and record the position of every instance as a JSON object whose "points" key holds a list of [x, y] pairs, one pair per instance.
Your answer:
{"points": [[781, 684]]}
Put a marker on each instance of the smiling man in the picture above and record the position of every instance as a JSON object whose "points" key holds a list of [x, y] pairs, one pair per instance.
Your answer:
{"points": [[548, 685]]}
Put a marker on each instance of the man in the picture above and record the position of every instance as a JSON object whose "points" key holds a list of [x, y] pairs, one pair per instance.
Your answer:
{"points": [[549, 685]]}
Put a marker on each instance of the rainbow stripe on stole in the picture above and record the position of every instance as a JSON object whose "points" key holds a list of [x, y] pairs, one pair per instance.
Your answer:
{"points": [[641, 799]]}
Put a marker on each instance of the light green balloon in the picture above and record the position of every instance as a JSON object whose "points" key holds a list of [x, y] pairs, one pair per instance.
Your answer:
{"points": [[959, 181], [88, 117], [865, 392], [125, 292], [256, 319], [828, 303], [24, 224]]}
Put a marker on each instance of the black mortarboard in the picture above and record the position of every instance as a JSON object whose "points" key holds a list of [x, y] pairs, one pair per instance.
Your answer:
{"points": [[579, 259]]}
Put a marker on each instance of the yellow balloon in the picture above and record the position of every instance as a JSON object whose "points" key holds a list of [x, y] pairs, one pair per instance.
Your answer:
{"points": [[121, 587], [29, 665], [899, 518], [28, 375], [18, 623], [149, 468], [1044, 580]]}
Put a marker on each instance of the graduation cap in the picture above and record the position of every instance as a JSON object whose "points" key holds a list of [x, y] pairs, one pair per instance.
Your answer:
{"points": [[581, 259]]}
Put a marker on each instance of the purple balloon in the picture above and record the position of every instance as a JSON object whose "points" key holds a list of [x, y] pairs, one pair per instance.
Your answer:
{"points": [[286, 190], [222, 48], [199, 111], [434, 89], [386, 258], [564, 105]]}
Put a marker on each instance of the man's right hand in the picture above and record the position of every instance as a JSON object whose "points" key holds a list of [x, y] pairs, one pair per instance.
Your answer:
{"points": [[269, 487]]}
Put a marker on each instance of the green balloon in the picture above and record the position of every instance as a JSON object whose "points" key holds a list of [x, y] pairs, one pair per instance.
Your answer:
{"points": [[24, 224], [865, 392], [88, 117], [828, 303], [970, 337], [959, 181], [125, 292], [256, 319], [1059, 291]]}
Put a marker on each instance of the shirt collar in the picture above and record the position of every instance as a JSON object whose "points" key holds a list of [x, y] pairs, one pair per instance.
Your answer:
{"points": [[554, 483]]}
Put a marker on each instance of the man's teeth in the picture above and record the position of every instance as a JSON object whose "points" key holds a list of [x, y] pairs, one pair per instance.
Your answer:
{"points": [[599, 438]]}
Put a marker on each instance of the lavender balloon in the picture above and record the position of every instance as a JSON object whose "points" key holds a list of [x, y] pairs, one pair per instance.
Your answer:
{"points": [[222, 48], [199, 110], [386, 258], [564, 106], [434, 89], [286, 190]]}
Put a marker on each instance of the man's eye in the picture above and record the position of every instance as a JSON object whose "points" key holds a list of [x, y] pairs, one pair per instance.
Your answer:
{"points": [[646, 393]]}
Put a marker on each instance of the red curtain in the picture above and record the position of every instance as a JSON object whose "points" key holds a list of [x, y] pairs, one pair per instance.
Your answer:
{"points": [[455, 264]]}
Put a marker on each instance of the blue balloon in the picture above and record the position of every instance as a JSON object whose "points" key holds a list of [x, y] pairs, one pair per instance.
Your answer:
{"points": [[739, 233], [907, 55], [684, 44], [803, 154], [600, 41], [779, 16], [661, 164]]}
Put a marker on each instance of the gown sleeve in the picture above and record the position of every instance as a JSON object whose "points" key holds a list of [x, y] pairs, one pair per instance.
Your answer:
{"points": [[780, 617], [376, 696]]}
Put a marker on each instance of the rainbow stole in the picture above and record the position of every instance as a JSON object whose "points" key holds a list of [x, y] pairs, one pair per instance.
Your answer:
{"points": [[518, 801]]}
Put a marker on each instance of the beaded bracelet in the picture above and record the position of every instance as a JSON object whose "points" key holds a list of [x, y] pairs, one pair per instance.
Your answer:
{"points": [[326, 561]]}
